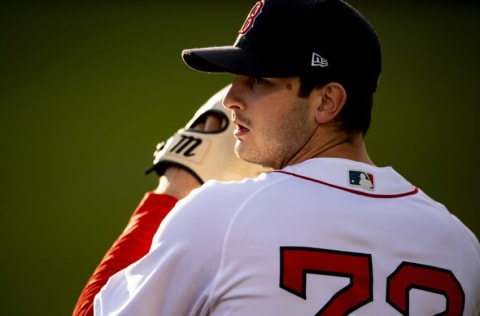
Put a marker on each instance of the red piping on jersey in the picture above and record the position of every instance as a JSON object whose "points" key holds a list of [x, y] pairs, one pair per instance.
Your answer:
{"points": [[380, 196]]}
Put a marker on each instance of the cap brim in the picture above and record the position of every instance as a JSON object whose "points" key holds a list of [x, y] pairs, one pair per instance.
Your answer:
{"points": [[230, 59]]}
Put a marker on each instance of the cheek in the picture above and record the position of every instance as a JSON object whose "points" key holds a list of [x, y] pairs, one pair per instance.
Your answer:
{"points": [[275, 130], [298, 124], [270, 125], [282, 122]]}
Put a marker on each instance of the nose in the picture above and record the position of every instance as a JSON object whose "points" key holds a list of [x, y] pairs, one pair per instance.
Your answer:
{"points": [[233, 99]]}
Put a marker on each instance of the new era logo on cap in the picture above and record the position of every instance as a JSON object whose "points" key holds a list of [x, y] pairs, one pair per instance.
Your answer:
{"points": [[318, 61]]}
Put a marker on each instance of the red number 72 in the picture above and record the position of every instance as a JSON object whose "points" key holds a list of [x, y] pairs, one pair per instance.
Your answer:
{"points": [[297, 262]]}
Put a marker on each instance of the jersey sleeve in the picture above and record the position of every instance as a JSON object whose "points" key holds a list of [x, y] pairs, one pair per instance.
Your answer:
{"points": [[177, 275], [133, 243]]}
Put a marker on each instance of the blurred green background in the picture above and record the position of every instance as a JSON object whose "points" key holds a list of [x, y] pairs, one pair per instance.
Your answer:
{"points": [[88, 89]]}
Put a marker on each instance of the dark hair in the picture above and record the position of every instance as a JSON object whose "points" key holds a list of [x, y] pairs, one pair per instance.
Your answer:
{"points": [[357, 111]]}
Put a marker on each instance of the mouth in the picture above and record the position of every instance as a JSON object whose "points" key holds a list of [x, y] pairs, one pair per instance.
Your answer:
{"points": [[240, 129]]}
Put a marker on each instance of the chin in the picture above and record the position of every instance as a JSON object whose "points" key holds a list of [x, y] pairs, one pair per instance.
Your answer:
{"points": [[243, 153], [251, 156]]}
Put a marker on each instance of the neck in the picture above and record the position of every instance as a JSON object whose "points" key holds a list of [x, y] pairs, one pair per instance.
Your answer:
{"points": [[339, 145]]}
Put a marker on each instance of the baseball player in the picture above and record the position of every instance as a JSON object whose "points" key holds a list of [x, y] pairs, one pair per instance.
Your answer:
{"points": [[324, 231]]}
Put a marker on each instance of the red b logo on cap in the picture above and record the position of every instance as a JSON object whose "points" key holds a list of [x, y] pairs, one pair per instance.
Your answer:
{"points": [[248, 24]]}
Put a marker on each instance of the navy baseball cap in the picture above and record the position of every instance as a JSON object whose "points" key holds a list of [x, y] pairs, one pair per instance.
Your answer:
{"points": [[287, 38]]}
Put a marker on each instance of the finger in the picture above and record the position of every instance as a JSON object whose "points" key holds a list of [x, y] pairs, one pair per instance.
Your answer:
{"points": [[199, 126], [213, 123]]}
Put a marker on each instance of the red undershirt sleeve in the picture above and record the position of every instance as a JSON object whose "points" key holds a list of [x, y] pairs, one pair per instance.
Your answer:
{"points": [[131, 245]]}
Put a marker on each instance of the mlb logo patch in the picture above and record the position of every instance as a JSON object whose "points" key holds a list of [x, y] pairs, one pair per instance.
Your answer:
{"points": [[361, 179]]}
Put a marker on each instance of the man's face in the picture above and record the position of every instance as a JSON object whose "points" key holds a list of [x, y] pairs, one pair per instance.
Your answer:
{"points": [[272, 122]]}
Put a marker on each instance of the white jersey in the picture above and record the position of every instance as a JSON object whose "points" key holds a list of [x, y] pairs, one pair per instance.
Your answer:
{"points": [[324, 237]]}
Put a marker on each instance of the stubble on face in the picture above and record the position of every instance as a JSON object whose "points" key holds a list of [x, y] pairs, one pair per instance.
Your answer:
{"points": [[278, 138]]}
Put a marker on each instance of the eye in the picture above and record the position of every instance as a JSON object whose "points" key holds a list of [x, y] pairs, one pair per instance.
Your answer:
{"points": [[259, 80]]}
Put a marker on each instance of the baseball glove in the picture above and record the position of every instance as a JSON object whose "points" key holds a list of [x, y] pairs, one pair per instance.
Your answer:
{"points": [[205, 154]]}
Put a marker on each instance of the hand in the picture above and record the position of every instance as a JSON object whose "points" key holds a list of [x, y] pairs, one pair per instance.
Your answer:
{"points": [[177, 181], [204, 149]]}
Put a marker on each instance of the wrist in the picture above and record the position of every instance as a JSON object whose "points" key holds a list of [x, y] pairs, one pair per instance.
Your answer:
{"points": [[177, 182]]}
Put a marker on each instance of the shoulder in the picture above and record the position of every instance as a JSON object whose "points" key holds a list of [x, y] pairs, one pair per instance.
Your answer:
{"points": [[215, 198], [211, 207]]}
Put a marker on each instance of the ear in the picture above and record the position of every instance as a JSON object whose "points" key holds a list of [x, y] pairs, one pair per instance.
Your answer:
{"points": [[330, 100]]}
